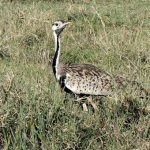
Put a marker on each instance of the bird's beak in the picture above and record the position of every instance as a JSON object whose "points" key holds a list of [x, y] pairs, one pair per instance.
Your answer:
{"points": [[66, 23]]}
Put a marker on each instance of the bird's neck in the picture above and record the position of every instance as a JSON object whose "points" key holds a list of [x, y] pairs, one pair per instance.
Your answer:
{"points": [[55, 62]]}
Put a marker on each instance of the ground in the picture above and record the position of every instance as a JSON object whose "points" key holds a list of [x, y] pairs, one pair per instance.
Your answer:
{"points": [[34, 112]]}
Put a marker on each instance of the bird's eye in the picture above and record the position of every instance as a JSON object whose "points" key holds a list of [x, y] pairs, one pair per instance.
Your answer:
{"points": [[56, 24]]}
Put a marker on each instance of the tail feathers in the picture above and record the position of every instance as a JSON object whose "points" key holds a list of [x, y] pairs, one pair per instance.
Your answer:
{"points": [[122, 82]]}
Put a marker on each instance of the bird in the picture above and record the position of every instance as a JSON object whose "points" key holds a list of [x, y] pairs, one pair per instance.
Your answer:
{"points": [[85, 80]]}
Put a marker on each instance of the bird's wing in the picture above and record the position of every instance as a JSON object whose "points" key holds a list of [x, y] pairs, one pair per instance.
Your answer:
{"points": [[86, 79]]}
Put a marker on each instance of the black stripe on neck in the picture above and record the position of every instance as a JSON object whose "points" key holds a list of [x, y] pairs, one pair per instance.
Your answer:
{"points": [[55, 56]]}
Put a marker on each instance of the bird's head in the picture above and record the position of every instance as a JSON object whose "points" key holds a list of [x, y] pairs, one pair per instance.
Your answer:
{"points": [[58, 26]]}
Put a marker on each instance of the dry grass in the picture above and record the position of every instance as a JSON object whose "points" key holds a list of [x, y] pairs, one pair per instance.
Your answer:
{"points": [[34, 113]]}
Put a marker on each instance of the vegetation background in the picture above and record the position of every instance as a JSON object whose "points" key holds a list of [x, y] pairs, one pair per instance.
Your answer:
{"points": [[34, 113]]}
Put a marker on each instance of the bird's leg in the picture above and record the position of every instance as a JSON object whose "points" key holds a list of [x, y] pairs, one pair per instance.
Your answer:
{"points": [[84, 104], [80, 99], [89, 99], [84, 107]]}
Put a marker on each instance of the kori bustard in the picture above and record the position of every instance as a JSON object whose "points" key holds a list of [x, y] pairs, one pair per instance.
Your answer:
{"points": [[80, 79]]}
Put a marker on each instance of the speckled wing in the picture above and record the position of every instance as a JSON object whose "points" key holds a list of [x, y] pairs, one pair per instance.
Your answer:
{"points": [[86, 79]]}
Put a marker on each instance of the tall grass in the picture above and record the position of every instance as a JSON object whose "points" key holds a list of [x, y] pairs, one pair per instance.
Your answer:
{"points": [[34, 112]]}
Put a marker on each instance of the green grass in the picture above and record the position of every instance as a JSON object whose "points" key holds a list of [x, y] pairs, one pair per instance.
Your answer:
{"points": [[34, 113]]}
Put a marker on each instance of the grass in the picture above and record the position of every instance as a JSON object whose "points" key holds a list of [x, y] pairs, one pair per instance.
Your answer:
{"points": [[34, 113]]}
